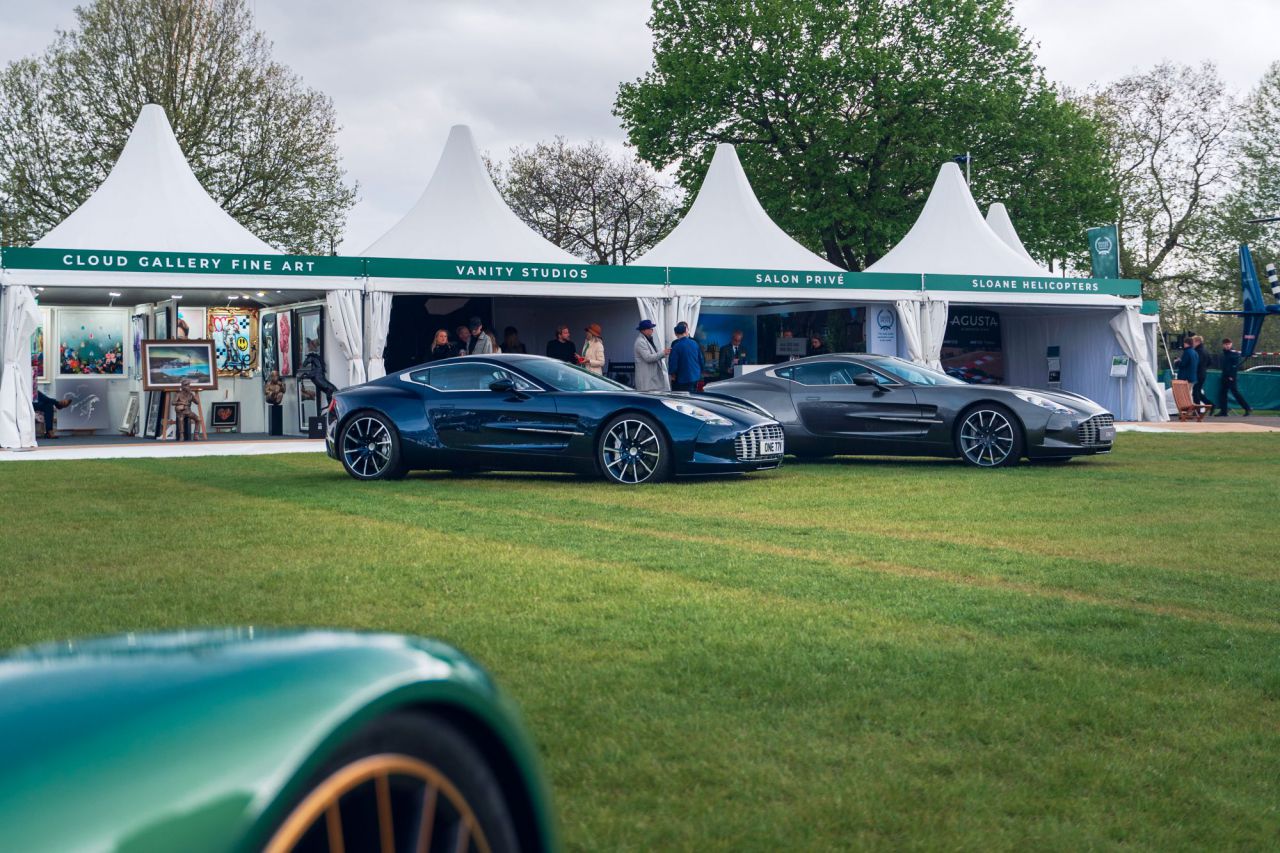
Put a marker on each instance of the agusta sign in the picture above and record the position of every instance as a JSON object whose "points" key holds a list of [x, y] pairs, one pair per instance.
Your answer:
{"points": [[204, 263]]}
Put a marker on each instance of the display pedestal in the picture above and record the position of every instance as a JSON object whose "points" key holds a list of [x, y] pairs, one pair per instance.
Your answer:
{"points": [[275, 419]]}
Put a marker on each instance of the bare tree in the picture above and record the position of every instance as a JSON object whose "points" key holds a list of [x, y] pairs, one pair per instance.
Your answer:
{"points": [[260, 142], [605, 209], [1170, 133]]}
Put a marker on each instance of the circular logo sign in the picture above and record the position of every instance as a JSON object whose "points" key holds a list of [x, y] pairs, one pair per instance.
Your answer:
{"points": [[1102, 245], [884, 318]]}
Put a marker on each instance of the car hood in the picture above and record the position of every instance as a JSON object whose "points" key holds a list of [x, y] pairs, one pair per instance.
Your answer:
{"points": [[1075, 402], [721, 405]]}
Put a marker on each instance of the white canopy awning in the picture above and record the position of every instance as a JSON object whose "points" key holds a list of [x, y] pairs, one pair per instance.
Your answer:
{"points": [[151, 201], [951, 238], [727, 228], [998, 221], [461, 216]]}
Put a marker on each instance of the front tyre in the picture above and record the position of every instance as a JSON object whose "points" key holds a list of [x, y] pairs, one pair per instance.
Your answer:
{"points": [[633, 449], [369, 448], [989, 436]]}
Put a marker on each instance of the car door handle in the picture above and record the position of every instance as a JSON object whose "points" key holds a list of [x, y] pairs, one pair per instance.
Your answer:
{"points": [[813, 399]]}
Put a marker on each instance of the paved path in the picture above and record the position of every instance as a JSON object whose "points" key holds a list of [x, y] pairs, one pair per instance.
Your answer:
{"points": [[50, 451]]}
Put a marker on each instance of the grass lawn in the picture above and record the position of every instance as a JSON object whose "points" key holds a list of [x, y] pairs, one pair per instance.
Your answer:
{"points": [[894, 654]]}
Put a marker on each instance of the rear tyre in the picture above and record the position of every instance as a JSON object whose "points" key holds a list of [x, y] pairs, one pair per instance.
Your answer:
{"points": [[632, 450], [989, 436], [369, 448], [407, 780]]}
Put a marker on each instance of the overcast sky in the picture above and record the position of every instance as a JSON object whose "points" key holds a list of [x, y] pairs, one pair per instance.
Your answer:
{"points": [[518, 71]]}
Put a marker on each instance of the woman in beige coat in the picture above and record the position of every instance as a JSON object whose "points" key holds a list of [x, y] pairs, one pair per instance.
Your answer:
{"points": [[593, 350]]}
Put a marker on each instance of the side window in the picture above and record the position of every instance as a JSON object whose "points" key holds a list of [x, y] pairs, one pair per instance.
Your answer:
{"points": [[461, 377], [423, 376], [827, 373]]}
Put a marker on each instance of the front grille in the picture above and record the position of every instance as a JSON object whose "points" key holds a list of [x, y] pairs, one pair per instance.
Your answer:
{"points": [[747, 446], [1088, 431]]}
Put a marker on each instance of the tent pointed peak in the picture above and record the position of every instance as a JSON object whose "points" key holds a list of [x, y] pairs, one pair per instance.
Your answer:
{"points": [[462, 216], [727, 227], [950, 237], [998, 221], [152, 201]]}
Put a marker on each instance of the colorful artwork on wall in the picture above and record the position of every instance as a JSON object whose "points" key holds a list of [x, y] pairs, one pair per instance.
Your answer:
{"points": [[40, 347], [166, 363], [284, 343], [91, 341], [191, 323], [234, 332], [267, 341]]}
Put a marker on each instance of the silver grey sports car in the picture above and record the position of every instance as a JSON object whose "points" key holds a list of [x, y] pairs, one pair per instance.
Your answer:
{"points": [[869, 404]]}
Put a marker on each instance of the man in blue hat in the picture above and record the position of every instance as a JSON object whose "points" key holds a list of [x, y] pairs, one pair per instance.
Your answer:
{"points": [[651, 372], [687, 362]]}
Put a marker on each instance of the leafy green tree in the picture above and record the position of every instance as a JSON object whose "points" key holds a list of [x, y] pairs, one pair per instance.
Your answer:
{"points": [[261, 142], [843, 110]]}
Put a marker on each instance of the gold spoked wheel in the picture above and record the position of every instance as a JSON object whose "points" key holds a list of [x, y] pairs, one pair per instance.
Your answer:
{"points": [[386, 802]]}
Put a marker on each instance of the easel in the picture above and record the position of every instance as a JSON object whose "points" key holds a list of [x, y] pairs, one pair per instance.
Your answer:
{"points": [[170, 417]]}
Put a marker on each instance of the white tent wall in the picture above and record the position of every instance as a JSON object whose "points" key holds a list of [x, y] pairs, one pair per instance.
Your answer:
{"points": [[17, 420], [1086, 346]]}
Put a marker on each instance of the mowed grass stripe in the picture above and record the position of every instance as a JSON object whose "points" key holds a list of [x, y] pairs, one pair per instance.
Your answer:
{"points": [[705, 695]]}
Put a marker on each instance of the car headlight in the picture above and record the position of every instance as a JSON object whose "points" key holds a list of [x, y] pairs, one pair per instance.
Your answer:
{"points": [[1043, 402], [707, 417]]}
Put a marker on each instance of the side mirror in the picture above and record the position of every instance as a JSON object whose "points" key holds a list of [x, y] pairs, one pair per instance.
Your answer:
{"points": [[502, 386], [866, 379]]}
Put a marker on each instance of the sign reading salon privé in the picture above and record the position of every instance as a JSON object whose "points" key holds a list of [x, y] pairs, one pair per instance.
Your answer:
{"points": [[202, 263]]}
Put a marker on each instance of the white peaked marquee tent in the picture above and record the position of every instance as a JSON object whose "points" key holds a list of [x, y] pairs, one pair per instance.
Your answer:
{"points": [[951, 239], [725, 228], [471, 244], [147, 232]]}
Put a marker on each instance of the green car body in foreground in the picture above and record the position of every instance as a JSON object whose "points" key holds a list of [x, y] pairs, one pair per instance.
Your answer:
{"points": [[203, 740]]}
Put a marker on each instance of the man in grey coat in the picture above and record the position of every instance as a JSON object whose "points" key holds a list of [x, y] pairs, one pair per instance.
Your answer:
{"points": [[481, 340], [651, 370]]}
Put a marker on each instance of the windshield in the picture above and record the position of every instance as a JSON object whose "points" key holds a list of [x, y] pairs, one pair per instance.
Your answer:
{"points": [[567, 377], [914, 373]]}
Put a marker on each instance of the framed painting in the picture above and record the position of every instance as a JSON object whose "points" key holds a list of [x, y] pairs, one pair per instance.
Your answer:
{"points": [[225, 417], [91, 341], [234, 332], [267, 343], [284, 342], [308, 334], [88, 407], [166, 363], [160, 323], [40, 347], [138, 331], [190, 320]]}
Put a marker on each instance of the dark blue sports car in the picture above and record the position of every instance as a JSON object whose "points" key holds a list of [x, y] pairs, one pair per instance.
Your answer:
{"points": [[529, 413]]}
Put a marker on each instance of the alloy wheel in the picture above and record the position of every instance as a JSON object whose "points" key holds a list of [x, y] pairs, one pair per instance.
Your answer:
{"points": [[987, 437], [366, 447], [632, 451]]}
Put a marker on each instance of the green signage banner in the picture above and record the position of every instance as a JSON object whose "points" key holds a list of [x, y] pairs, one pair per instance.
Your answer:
{"points": [[1104, 251], [1026, 285], [513, 271], [712, 277], [200, 263]]}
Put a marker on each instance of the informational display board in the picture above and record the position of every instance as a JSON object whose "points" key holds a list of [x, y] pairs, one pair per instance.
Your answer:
{"points": [[1120, 366]]}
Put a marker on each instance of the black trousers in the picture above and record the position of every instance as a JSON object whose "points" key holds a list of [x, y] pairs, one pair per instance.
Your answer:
{"points": [[1229, 385], [1197, 393], [684, 386], [45, 405]]}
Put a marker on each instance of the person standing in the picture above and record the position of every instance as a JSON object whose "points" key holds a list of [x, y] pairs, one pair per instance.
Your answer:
{"points": [[731, 354], [816, 345], [651, 372], [440, 347], [511, 340], [686, 362], [593, 349], [463, 346], [481, 340], [1230, 380], [1189, 363], [1202, 370], [561, 347]]}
